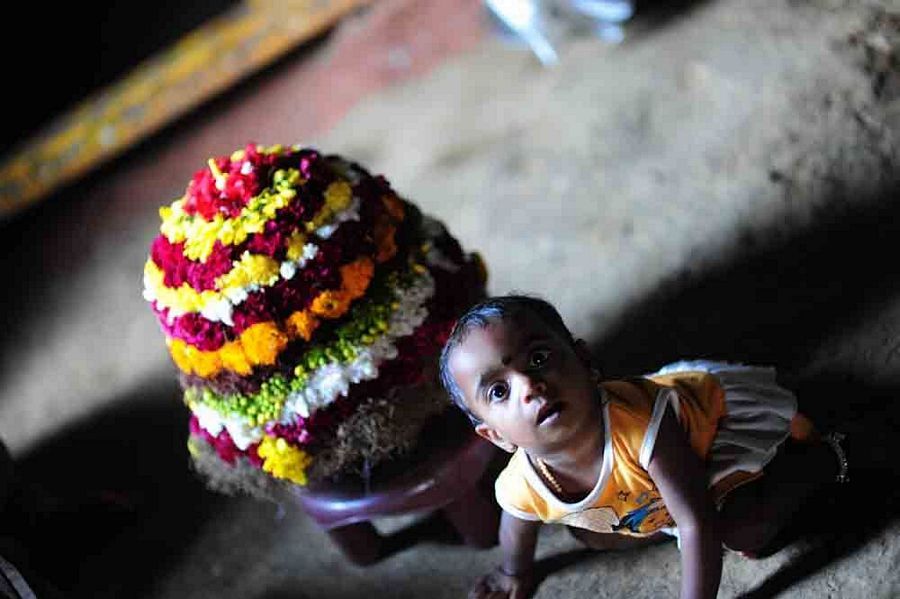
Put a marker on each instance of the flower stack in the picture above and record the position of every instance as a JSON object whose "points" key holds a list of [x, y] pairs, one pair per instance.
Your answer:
{"points": [[304, 303]]}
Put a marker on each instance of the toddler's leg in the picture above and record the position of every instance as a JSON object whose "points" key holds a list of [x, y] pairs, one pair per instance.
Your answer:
{"points": [[613, 541], [753, 514]]}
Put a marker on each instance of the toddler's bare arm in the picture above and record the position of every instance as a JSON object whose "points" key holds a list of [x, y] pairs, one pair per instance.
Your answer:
{"points": [[681, 479], [514, 578]]}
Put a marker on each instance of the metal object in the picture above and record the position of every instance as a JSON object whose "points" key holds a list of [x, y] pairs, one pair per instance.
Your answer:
{"points": [[608, 16], [522, 17], [609, 11], [834, 440]]}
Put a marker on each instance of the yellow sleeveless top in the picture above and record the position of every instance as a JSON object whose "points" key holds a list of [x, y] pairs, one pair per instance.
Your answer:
{"points": [[625, 499]]}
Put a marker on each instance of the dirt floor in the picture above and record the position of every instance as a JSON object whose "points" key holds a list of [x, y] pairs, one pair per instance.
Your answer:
{"points": [[723, 184]]}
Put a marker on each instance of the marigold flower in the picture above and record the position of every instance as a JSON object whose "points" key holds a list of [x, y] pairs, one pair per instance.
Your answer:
{"points": [[338, 196], [302, 324], [176, 350], [263, 342], [194, 361], [251, 269], [234, 358], [282, 460], [356, 277], [295, 245], [331, 304]]}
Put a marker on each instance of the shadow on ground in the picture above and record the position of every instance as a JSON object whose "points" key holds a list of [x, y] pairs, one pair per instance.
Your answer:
{"points": [[105, 506], [776, 302], [778, 305], [843, 518]]}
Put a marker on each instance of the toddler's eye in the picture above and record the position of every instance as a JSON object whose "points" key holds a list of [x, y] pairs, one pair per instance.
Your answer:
{"points": [[498, 391], [538, 358]]}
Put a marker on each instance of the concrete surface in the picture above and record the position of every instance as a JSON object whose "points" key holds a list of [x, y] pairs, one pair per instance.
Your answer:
{"points": [[722, 184]]}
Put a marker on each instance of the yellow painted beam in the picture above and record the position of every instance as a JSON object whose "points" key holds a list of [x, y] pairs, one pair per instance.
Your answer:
{"points": [[200, 65]]}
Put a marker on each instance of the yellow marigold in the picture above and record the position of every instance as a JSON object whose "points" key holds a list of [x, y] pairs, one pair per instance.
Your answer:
{"points": [[234, 358], [251, 269], [384, 239], [199, 235], [295, 245], [355, 277], [263, 342], [302, 324], [338, 196], [394, 206], [330, 304], [282, 460]]}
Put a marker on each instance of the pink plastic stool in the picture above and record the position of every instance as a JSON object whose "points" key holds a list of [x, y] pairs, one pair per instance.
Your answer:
{"points": [[449, 464]]}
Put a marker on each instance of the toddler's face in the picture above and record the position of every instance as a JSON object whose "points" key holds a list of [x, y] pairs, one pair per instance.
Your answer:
{"points": [[530, 387]]}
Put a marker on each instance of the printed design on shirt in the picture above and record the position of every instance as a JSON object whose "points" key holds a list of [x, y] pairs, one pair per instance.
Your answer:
{"points": [[635, 519], [646, 516], [598, 519]]}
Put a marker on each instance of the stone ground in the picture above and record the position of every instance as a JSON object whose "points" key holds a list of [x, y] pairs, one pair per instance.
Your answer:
{"points": [[722, 184]]}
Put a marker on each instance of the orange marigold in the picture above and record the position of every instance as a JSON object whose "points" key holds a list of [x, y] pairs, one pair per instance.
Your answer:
{"points": [[234, 358], [331, 304], [302, 324], [263, 342], [194, 361], [176, 350], [355, 277], [205, 363]]}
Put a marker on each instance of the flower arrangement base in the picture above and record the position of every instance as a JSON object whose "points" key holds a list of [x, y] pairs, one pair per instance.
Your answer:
{"points": [[445, 475]]}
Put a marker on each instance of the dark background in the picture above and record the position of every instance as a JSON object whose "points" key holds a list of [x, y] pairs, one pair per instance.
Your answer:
{"points": [[57, 54]]}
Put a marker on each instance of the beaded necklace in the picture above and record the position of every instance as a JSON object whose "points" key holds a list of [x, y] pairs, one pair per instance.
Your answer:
{"points": [[545, 472]]}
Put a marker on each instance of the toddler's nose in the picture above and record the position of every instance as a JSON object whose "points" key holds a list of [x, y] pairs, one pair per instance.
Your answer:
{"points": [[534, 387]]}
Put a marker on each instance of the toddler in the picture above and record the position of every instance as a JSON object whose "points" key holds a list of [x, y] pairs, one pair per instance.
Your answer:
{"points": [[712, 453]]}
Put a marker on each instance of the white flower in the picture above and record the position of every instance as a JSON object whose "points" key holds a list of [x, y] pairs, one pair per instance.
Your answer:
{"points": [[288, 270], [218, 310], [333, 381], [297, 402], [149, 292], [242, 433], [309, 251], [208, 419], [326, 231], [236, 295], [213, 422]]}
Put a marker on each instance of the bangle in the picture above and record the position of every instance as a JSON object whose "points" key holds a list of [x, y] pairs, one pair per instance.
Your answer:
{"points": [[503, 571], [834, 441]]}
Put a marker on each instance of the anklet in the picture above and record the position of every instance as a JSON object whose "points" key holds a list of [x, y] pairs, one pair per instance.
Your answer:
{"points": [[834, 441]]}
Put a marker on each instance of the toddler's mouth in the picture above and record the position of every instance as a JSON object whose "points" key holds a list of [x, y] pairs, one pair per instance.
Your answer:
{"points": [[549, 412]]}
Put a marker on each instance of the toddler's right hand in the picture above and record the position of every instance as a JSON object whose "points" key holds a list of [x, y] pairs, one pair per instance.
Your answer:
{"points": [[497, 584]]}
